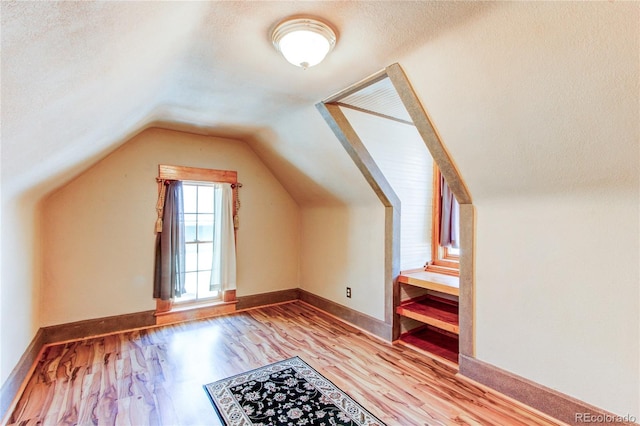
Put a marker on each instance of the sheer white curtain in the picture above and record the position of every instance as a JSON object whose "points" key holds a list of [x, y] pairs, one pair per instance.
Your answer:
{"points": [[223, 271]]}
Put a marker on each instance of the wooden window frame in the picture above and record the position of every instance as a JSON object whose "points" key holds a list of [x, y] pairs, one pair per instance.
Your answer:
{"points": [[197, 174], [442, 261]]}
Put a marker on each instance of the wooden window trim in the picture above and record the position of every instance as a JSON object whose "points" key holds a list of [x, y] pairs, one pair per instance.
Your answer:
{"points": [[197, 174], [442, 261], [166, 172]]}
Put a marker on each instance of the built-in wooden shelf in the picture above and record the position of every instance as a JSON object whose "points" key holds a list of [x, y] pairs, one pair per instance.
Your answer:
{"points": [[435, 311], [446, 284], [433, 341]]}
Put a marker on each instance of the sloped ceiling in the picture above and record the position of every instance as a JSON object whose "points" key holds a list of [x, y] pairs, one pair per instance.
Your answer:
{"points": [[379, 98], [79, 78]]}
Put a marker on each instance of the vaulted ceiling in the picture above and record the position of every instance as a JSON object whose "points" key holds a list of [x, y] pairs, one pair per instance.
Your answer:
{"points": [[79, 78]]}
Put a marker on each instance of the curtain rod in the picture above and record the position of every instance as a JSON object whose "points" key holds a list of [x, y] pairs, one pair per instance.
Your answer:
{"points": [[166, 182]]}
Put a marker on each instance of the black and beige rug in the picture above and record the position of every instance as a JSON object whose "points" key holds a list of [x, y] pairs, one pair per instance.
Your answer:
{"points": [[286, 393]]}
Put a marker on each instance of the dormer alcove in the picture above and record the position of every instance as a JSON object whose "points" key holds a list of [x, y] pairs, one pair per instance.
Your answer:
{"points": [[382, 125]]}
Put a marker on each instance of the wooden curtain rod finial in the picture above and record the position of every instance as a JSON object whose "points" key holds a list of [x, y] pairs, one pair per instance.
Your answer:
{"points": [[165, 181], [236, 185]]}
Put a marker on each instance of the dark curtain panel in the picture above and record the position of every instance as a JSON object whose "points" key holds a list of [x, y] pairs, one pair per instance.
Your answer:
{"points": [[449, 217], [169, 271]]}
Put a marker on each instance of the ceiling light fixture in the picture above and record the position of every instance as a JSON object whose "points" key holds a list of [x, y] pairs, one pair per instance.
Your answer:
{"points": [[303, 41]]}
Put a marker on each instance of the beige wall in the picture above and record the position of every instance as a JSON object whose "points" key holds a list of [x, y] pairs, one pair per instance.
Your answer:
{"points": [[567, 292], [19, 289], [538, 104], [343, 246], [405, 162], [98, 230]]}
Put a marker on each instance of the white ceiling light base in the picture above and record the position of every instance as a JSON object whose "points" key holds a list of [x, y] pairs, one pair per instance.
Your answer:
{"points": [[304, 42]]}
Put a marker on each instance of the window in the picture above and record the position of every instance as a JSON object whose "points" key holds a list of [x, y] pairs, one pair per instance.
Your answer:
{"points": [[195, 259], [446, 228], [198, 199]]}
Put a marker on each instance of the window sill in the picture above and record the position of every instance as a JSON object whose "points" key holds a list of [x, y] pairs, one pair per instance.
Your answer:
{"points": [[193, 304], [194, 311], [443, 269]]}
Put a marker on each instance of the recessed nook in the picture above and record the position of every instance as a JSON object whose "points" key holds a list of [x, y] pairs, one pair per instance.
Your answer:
{"points": [[430, 310]]}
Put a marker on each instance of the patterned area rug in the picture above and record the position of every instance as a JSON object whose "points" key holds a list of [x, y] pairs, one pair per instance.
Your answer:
{"points": [[286, 393]]}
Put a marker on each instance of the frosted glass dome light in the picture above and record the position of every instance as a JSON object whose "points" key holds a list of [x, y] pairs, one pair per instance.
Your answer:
{"points": [[304, 42]]}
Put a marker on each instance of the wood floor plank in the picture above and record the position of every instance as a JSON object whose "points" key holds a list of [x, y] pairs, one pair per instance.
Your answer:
{"points": [[155, 376], [90, 395]]}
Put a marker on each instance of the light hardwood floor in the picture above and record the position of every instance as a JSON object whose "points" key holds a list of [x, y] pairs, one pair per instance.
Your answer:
{"points": [[155, 376]]}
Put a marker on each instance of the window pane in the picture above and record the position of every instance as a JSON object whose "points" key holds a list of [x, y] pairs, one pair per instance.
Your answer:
{"points": [[205, 256], [191, 257], [205, 227], [189, 198], [210, 294], [190, 223], [205, 199], [190, 285], [454, 251], [204, 278], [204, 290]]}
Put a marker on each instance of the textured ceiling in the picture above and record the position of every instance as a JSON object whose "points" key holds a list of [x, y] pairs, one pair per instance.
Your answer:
{"points": [[79, 78]]}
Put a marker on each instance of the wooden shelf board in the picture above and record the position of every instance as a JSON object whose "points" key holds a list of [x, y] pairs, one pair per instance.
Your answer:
{"points": [[438, 282], [432, 311], [433, 342]]}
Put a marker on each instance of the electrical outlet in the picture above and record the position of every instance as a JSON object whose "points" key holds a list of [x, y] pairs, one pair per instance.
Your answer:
{"points": [[349, 292]]}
